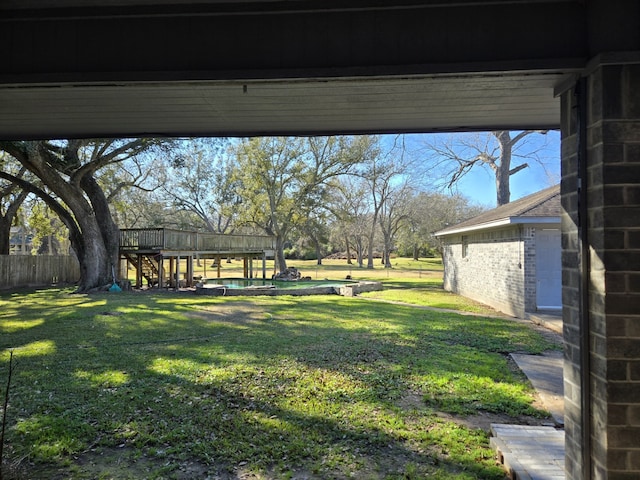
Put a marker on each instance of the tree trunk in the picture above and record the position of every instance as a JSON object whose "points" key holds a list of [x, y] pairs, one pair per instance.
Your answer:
{"points": [[346, 238], [281, 263], [95, 266], [7, 220], [318, 252], [503, 173], [77, 198], [416, 252], [387, 253], [503, 193], [108, 235], [5, 235], [370, 252], [359, 253]]}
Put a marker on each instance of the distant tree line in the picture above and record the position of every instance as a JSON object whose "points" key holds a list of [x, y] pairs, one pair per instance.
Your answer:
{"points": [[362, 197]]}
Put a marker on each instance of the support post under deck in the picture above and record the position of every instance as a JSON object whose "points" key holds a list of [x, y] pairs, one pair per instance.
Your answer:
{"points": [[138, 271], [177, 273], [190, 271], [264, 266]]}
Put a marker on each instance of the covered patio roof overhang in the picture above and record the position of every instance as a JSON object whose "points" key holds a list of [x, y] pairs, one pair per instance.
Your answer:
{"points": [[73, 68], [109, 68]]}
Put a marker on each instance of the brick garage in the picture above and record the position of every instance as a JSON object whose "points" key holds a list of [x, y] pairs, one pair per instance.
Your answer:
{"points": [[509, 257]]}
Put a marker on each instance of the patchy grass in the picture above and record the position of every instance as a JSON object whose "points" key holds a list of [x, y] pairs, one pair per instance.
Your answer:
{"points": [[417, 282], [403, 269], [157, 385], [429, 293]]}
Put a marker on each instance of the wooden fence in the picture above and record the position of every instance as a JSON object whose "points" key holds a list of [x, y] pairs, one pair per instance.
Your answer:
{"points": [[37, 270]]}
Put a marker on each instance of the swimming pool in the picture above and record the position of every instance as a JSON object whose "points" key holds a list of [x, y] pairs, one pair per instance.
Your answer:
{"points": [[258, 286], [235, 283]]}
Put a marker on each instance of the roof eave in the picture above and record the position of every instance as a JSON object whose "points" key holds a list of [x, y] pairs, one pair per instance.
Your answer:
{"points": [[499, 223]]}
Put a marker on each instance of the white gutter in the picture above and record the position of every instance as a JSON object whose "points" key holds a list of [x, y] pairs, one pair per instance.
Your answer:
{"points": [[498, 223]]}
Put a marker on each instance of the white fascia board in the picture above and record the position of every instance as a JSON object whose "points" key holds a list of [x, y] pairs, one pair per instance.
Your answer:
{"points": [[500, 223]]}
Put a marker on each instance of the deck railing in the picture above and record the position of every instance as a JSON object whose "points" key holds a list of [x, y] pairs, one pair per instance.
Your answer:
{"points": [[169, 239]]}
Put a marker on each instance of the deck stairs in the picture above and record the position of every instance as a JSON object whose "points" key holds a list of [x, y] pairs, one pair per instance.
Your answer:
{"points": [[150, 269]]}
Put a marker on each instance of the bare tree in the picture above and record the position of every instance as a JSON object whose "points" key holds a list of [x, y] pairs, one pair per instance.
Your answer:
{"points": [[505, 153], [428, 212], [351, 208], [389, 174], [393, 215]]}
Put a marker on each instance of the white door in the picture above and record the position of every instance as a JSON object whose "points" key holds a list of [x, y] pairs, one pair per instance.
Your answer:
{"points": [[548, 269]]}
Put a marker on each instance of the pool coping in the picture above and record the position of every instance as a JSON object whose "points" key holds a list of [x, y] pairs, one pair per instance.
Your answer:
{"points": [[347, 290]]}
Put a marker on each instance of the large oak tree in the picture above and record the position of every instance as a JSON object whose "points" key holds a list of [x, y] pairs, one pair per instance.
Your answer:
{"points": [[69, 170]]}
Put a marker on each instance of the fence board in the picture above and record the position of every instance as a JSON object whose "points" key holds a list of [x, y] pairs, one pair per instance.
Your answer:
{"points": [[34, 270]]}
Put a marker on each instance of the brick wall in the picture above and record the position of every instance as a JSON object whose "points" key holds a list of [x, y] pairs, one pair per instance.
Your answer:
{"points": [[530, 279], [571, 287], [493, 270], [613, 314]]}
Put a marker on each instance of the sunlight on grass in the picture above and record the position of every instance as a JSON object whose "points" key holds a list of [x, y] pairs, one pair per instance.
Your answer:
{"points": [[434, 298], [92, 304], [179, 367], [109, 379], [52, 436], [465, 394], [11, 326], [33, 349], [273, 387]]}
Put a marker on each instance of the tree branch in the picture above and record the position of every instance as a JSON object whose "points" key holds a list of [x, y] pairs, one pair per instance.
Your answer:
{"points": [[518, 168], [74, 232]]}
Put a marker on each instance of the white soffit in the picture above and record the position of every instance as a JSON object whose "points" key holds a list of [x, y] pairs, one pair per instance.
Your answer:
{"points": [[458, 102]]}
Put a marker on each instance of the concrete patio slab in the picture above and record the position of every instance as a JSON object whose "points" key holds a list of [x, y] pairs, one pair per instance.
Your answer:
{"points": [[545, 373], [529, 452]]}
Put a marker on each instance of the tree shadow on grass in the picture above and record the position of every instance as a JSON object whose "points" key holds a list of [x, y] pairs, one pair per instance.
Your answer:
{"points": [[269, 387]]}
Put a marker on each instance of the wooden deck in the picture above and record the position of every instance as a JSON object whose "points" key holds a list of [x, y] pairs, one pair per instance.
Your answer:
{"points": [[159, 240], [157, 254]]}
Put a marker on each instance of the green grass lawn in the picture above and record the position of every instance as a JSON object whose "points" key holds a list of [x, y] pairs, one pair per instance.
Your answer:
{"points": [[165, 385], [417, 282]]}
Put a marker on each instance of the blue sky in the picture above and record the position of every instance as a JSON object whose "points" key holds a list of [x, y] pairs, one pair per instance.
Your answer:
{"points": [[479, 183]]}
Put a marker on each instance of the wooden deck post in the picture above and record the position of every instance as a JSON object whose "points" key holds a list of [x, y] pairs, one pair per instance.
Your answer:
{"points": [[178, 273], [157, 244], [138, 271], [121, 268], [190, 271], [264, 266]]}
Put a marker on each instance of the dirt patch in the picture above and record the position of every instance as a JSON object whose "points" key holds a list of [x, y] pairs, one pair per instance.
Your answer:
{"points": [[411, 401], [483, 420], [127, 463]]}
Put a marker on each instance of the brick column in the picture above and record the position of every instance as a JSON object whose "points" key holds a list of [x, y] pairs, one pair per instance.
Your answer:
{"points": [[607, 319]]}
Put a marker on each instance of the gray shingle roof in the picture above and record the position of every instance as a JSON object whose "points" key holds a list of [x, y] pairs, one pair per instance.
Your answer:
{"points": [[545, 203]]}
